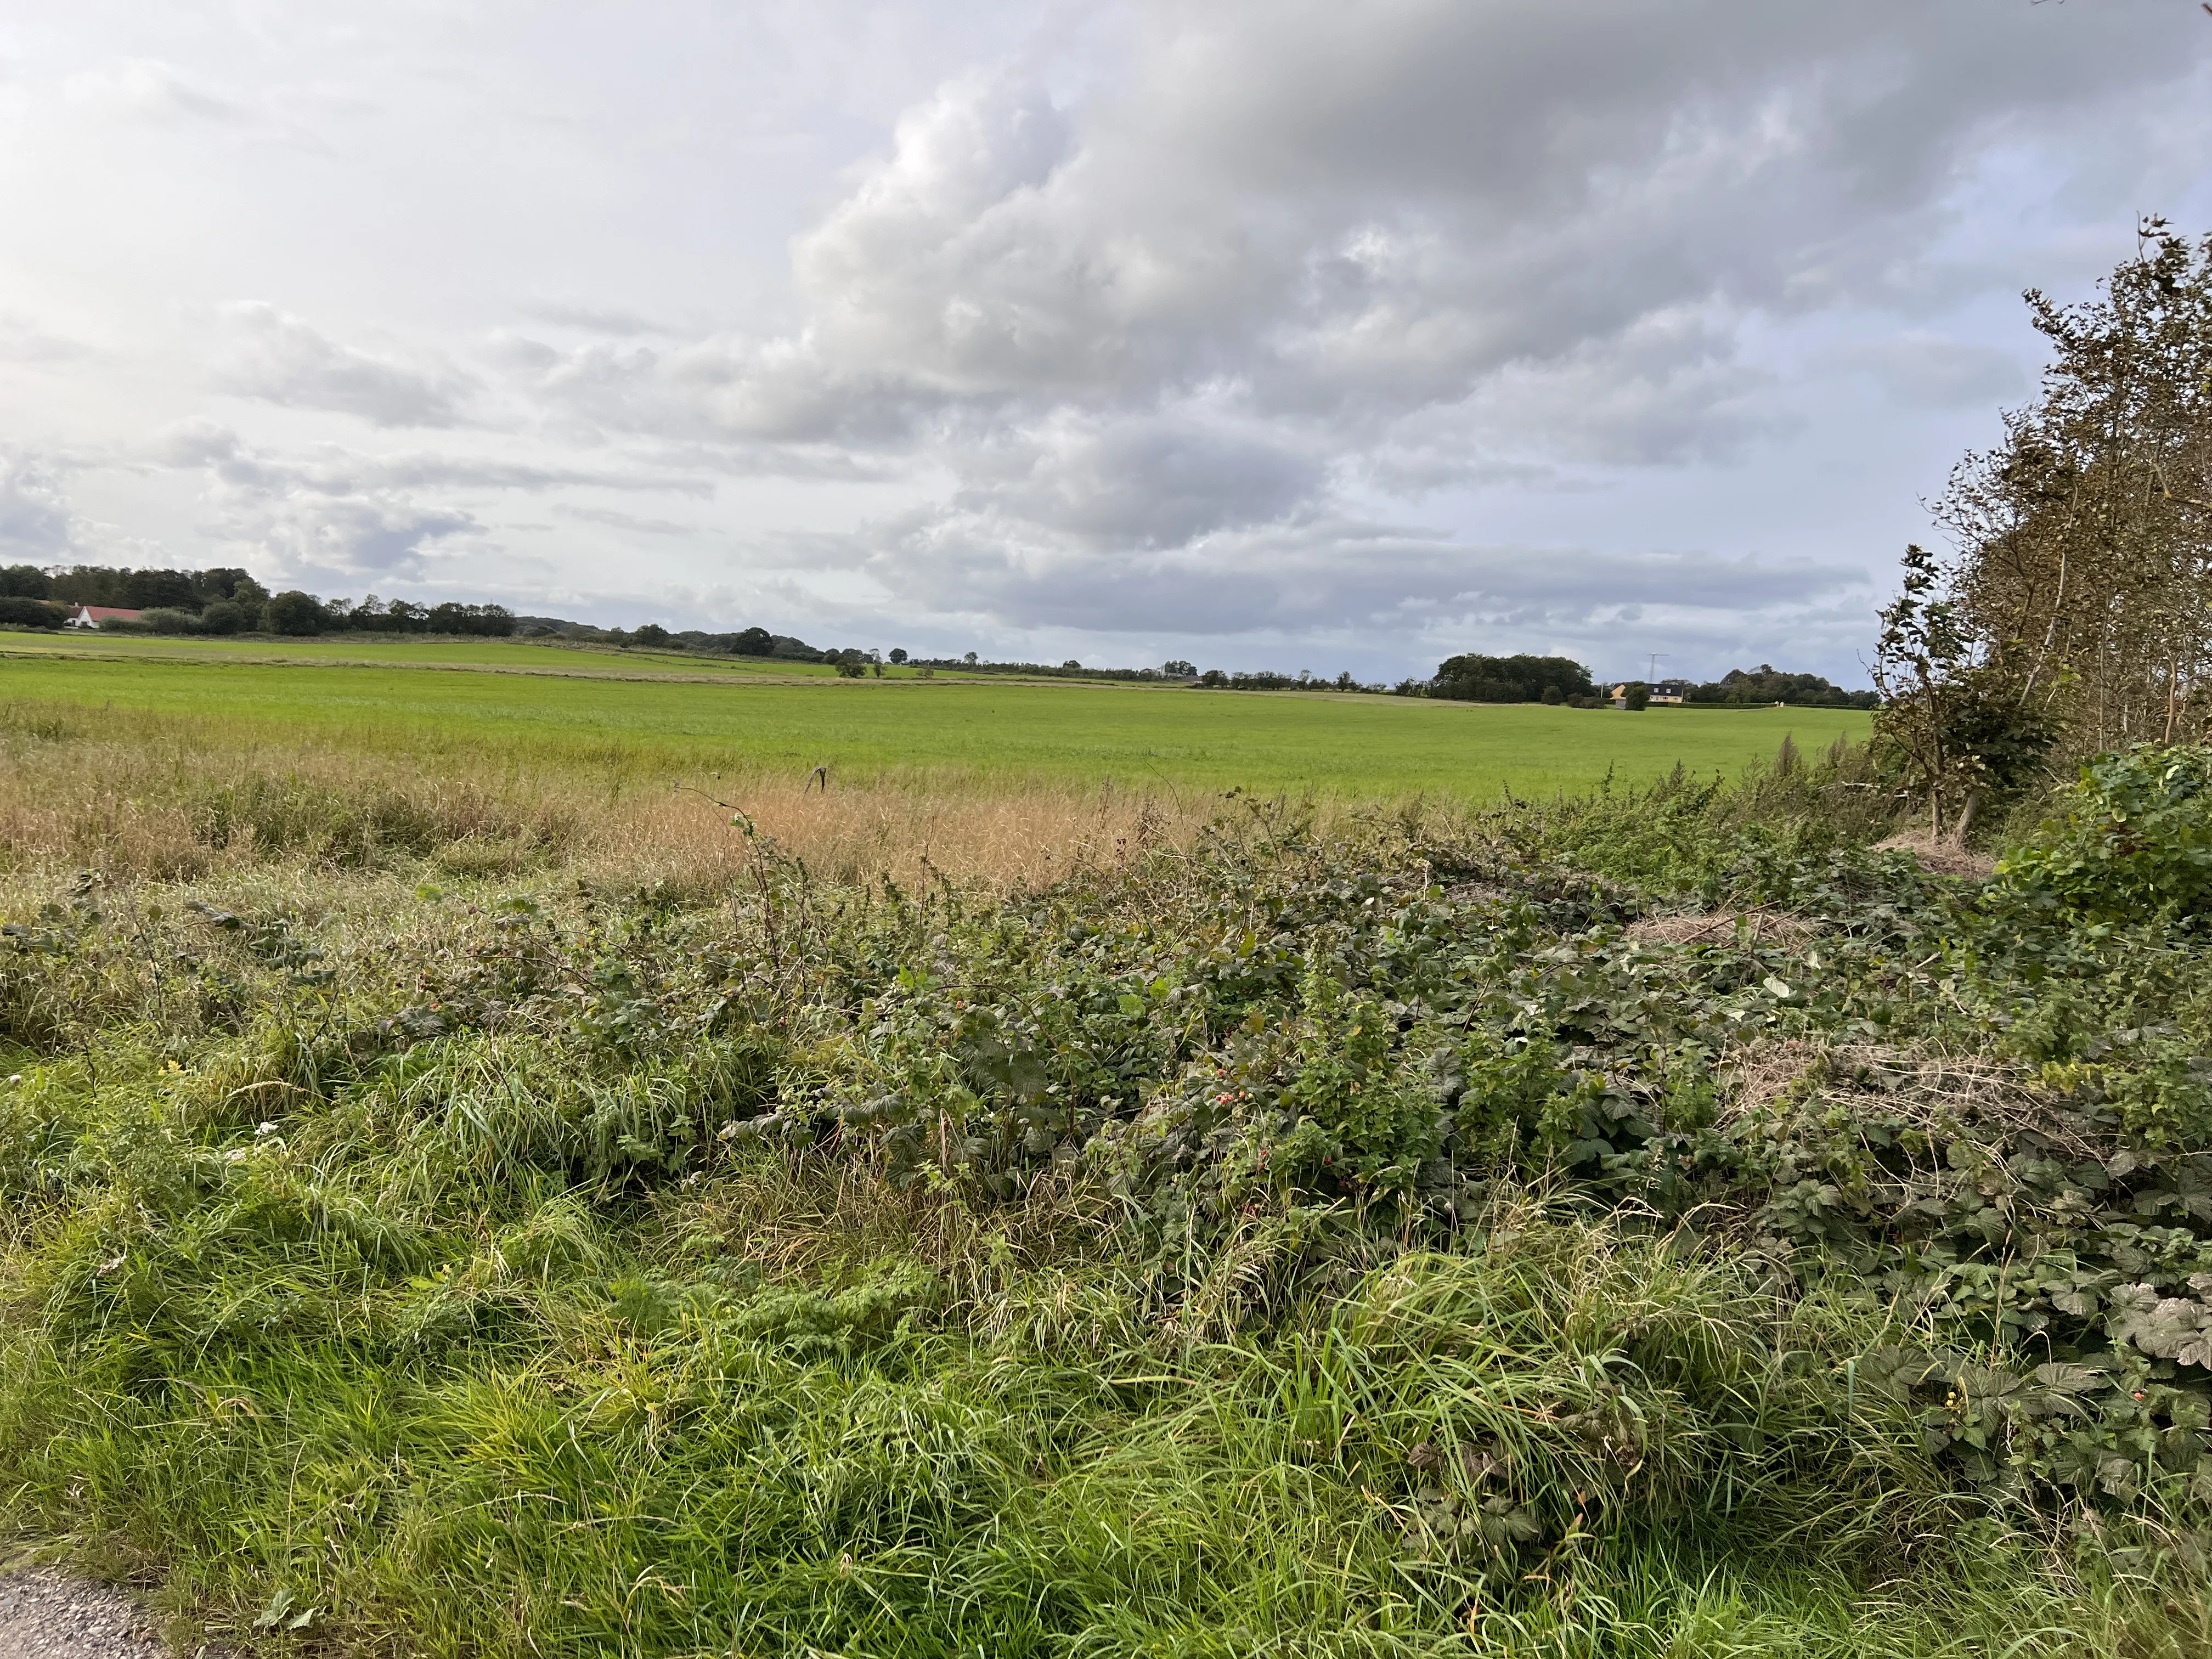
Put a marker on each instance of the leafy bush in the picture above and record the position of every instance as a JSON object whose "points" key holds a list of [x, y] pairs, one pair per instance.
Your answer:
{"points": [[293, 612], [2132, 837], [16, 611]]}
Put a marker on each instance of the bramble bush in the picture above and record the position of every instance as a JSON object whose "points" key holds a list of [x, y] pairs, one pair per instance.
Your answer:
{"points": [[2133, 837]]}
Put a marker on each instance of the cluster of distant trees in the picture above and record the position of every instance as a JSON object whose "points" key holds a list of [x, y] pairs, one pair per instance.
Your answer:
{"points": [[1768, 684], [132, 590], [652, 636], [1561, 680], [1266, 680], [1474, 679], [222, 601], [230, 601]]}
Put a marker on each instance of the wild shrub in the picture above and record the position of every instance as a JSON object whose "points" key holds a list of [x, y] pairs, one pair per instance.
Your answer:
{"points": [[2132, 837]]}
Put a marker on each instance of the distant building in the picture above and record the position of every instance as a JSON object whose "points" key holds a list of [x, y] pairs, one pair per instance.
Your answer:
{"points": [[91, 616], [1661, 692]]}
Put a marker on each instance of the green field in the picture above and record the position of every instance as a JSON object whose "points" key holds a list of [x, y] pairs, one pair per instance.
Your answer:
{"points": [[548, 704]]}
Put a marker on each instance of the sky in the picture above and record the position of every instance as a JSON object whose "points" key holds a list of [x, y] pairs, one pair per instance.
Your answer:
{"points": [[1261, 333]]}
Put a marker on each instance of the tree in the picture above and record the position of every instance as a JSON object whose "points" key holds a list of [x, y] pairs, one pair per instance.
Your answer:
{"points": [[1636, 696], [2084, 539], [292, 612], [228, 583], [223, 617], [159, 590], [649, 633], [1768, 684], [1953, 718], [1473, 679], [25, 581], [1175, 668], [898, 656], [17, 610]]}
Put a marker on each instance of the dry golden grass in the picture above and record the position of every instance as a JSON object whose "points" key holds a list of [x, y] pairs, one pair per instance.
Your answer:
{"points": [[131, 794]]}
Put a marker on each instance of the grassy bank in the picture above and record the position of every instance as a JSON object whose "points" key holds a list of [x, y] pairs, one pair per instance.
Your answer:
{"points": [[1652, 1224]]}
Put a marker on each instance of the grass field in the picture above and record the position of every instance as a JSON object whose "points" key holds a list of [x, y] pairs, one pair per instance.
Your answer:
{"points": [[552, 706], [465, 1192]]}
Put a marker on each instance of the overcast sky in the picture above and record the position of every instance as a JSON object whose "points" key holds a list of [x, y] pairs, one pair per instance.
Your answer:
{"points": [[1260, 333]]}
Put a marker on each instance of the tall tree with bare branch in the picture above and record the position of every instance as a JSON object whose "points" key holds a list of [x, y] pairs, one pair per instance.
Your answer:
{"points": [[2083, 564]]}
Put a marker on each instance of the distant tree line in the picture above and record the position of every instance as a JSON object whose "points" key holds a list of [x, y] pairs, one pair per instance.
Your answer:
{"points": [[222, 600], [652, 636], [1563, 681], [1768, 684]]}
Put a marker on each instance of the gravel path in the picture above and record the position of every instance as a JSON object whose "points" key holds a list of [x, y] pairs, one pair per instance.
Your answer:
{"points": [[45, 1614]]}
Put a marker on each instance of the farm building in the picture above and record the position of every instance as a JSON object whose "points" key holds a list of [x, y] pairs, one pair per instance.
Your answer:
{"points": [[1661, 692], [91, 616]]}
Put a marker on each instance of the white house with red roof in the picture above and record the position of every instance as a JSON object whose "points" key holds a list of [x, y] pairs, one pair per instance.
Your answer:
{"points": [[91, 616]]}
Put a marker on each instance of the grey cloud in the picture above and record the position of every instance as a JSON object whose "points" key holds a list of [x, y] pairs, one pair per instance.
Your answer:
{"points": [[371, 536], [333, 471], [614, 320], [324, 515], [278, 358], [1326, 574], [609, 518], [1140, 481], [1670, 390], [1383, 205], [36, 525], [24, 341], [1413, 245]]}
